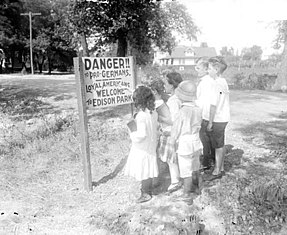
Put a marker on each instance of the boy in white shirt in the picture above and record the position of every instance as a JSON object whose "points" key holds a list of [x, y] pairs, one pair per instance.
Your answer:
{"points": [[206, 96], [219, 114]]}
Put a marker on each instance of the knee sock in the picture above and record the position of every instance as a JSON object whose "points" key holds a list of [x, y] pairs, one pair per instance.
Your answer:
{"points": [[146, 186]]}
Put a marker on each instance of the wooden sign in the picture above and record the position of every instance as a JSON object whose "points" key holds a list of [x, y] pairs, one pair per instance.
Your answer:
{"points": [[101, 82], [109, 81]]}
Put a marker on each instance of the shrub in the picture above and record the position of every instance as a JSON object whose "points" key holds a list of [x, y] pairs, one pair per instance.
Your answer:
{"points": [[266, 200], [253, 81]]}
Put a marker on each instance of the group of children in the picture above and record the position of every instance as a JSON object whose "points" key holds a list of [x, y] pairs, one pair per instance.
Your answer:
{"points": [[180, 128]]}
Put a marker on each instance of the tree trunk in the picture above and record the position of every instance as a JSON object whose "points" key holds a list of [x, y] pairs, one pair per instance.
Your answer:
{"points": [[282, 75], [39, 60], [40, 66], [122, 44], [49, 65], [84, 45], [1, 63]]}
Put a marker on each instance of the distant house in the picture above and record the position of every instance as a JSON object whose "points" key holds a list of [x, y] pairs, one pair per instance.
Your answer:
{"points": [[184, 56]]}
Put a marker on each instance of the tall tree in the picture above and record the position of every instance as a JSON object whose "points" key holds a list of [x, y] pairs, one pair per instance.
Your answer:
{"points": [[253, 53], [281, 39], [11, 37], [137, 24], [52, 33]]}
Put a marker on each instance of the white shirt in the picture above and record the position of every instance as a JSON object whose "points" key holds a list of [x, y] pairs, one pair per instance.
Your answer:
{"points": [[222, 113], [174, 105], [206, 95]]}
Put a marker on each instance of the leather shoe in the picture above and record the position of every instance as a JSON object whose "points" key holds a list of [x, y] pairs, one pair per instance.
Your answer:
{"points": [[144, 198], [214, 177]]}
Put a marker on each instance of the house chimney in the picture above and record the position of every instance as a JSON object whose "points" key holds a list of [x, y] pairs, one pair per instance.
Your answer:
{"points": [[203, 44]]}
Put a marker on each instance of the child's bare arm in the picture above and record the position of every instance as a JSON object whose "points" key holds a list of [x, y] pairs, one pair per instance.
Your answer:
{"points": [[166, 120], [211, 117], [176, 129]]}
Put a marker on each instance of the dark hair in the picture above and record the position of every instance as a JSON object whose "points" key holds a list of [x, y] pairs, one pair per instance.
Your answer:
{"points": [[157, 85], [218, 61], [174, 79], [144, 98]]}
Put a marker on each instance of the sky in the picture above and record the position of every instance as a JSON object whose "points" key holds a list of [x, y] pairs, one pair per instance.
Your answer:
{"points": [[237, 23]]}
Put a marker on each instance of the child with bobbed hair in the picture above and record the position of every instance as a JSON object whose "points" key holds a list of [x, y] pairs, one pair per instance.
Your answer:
{"points": [[142, 160], [173, 79], [157, 87], [164, 120]]}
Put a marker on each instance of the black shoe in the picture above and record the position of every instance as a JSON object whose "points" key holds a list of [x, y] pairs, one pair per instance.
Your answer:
{"points": [[206, 167], [145, 197], [214, 177]]}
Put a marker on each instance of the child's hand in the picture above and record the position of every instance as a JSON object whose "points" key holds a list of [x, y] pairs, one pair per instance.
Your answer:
{"points": [[132, 125], [209, 126]]}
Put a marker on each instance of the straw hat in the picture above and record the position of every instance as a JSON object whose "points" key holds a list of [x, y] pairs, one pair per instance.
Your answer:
{"points": [[186, 91]]}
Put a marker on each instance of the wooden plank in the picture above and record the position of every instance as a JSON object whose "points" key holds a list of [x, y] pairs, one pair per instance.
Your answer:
{"points": [[85, 147]]}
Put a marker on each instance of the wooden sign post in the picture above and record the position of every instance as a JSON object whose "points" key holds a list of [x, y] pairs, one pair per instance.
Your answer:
{"points": [[101, 82], [85, 146]]}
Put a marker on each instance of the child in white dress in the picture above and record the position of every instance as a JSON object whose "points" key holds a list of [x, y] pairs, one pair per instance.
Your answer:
{"points": [[142, 159]]}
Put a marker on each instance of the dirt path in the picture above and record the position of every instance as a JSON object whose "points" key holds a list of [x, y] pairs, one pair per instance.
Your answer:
{"points": [[55, 203]]}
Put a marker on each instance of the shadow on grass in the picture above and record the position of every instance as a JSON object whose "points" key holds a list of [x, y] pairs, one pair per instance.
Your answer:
{"points": [[113, 174], [233, 159], [255, 95], [24, 98], [271, 135], [40, 88]]}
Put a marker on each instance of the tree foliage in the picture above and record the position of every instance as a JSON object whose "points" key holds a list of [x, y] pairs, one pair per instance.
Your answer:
{"points": [[53, 33], [281, 82], [11, 37], [225, 51], [135, 25], [253, 53]]}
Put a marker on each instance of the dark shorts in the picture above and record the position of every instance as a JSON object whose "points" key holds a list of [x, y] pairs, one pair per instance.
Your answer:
{"points": [[218, 134]]}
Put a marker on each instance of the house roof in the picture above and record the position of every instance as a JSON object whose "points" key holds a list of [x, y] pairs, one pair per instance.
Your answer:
{"points": [[178, 52]]}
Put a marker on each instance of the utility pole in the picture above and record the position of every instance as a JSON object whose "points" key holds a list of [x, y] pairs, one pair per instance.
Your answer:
{"points": [[30, 14]]}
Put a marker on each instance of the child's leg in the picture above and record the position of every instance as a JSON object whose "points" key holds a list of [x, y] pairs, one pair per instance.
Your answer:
{"points": [[146, 190], [174, 177], [146, 186], [184, 163], [218, 135], [174, 172], [206, 143], [222, 162]]}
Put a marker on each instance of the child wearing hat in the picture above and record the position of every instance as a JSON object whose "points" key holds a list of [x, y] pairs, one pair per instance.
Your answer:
{"points": [[185, 135]]}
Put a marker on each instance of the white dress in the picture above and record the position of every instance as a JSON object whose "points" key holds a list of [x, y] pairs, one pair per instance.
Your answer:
{"points": [[142, 159]]}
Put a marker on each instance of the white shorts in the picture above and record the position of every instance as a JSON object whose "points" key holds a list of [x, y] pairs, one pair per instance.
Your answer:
{"points": [[188, 163]]}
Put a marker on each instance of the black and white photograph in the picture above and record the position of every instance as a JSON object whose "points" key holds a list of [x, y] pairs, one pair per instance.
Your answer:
{"points": [[143, 117]]}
